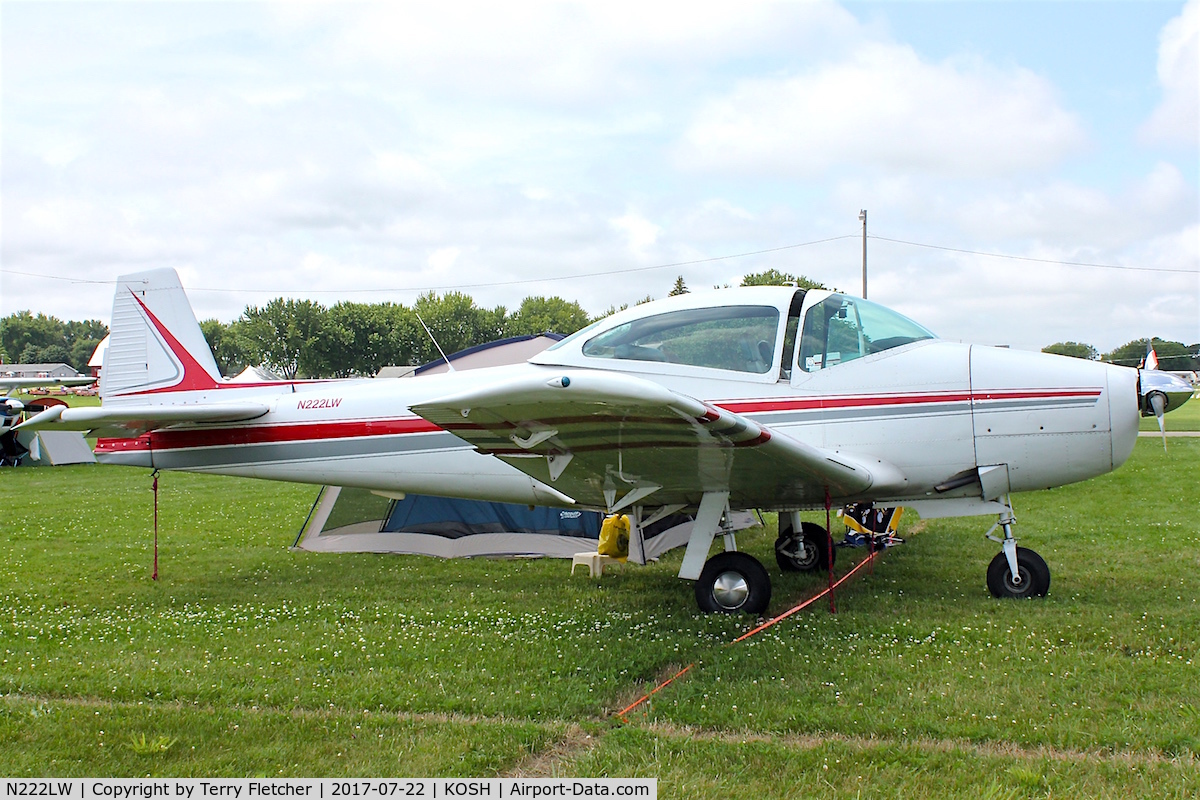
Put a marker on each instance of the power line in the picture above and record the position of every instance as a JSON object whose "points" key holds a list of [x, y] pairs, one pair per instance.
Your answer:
{"points": [[631, 270], [481, 285], [1038, 260]]}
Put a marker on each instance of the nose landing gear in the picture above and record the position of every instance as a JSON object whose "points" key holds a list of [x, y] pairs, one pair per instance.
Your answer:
{"points": [[1016, 572]]}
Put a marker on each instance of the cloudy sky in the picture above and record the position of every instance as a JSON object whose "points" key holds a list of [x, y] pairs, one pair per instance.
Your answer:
{"points": [[596, 151]]}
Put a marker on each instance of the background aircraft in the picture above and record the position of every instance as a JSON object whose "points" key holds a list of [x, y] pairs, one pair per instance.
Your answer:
{"points": [[773, 398], [12, 411]]}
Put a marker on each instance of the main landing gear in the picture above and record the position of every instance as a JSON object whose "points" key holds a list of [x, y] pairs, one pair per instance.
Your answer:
{"points": [[806, 550], [732, 582], [1016, 572]]}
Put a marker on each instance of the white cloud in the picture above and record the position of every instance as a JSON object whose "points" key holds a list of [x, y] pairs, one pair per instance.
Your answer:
{"points": [[884, 108], [564, 53], [273, 149], [640, 233], [1065, 213], [1177, 118]]}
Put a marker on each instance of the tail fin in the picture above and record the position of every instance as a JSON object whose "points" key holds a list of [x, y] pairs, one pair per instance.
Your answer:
{"points": [[156, 345]]}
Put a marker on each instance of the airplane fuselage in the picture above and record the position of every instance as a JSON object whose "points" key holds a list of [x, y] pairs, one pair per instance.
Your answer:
{"points": [[1050, 420]]}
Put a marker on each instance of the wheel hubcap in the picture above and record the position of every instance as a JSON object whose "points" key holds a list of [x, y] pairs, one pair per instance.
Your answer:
{"points": [[1019, 586], [730, 590]]}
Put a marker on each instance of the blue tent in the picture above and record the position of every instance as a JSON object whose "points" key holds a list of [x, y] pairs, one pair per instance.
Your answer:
{"points": [[360, 521]]}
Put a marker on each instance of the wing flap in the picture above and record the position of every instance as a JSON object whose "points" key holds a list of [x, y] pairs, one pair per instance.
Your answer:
{"points": [[600, 436]]}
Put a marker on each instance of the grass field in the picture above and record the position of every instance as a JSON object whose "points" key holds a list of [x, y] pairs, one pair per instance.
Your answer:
{"points": [[247, 659]]}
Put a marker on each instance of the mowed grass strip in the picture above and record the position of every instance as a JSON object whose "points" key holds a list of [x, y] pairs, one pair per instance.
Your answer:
{"points": [[511, 652], [691, 764], [98, 738]]}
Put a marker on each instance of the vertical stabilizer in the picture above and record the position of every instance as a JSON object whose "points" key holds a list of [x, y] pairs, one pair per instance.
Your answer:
{"points": [[156, 345]]}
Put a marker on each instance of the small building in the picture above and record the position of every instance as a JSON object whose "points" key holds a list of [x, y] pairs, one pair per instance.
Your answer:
{"points": [[38, 371]]}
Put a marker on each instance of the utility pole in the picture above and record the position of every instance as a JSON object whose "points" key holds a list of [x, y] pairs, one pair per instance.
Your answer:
{"points": [[862, 217]]}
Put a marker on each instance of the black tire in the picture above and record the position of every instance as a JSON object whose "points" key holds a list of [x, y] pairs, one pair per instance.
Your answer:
{"points": [[1035, 576], [731, 582], [816, 547]]}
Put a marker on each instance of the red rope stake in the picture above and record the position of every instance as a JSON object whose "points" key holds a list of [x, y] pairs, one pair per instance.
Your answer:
{"points": [[154, 576], [829, 548], [866, 562], [871, 546], [806, 603], [652, 692], [624, 713]]}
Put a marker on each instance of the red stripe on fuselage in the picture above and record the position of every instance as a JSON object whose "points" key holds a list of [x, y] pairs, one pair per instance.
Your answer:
{"points": [[263, 434], [271, 434]]}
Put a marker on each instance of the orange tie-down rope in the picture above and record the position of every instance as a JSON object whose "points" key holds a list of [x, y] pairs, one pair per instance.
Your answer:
{"points": [[800, 607]]}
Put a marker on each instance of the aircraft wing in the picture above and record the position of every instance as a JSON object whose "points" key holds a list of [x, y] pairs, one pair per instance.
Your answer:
{"points": [[132, 421], [609, 440]]}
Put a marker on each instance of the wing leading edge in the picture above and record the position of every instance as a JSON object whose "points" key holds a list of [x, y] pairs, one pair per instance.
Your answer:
{"points": [[609, 440]]}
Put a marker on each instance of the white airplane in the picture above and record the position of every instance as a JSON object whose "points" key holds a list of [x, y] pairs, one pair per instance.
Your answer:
{"points": [[773, 398]]}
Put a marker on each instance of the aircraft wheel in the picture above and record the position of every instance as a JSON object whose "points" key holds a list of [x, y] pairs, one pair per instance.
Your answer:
{"points": [[1032, 569], [812, 557], [731, 582]]}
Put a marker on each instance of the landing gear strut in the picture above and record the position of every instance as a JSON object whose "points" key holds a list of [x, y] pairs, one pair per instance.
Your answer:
{"points": [[803, 551], [728, 582], [1016, 572]]}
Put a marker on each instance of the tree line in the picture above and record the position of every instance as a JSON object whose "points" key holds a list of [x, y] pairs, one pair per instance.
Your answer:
{"points": [[29, 339], [305, 339], [1174, 356]]}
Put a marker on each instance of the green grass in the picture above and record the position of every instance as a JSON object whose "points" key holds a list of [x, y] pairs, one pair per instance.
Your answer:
{"points": [[1184, 418], [248, 659]]}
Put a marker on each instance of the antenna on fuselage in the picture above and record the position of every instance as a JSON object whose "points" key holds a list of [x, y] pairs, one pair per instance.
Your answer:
{"points": [[449, 366]]}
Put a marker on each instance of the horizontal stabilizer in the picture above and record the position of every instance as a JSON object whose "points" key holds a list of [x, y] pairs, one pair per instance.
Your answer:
{"points": [[132, 421], [30, 383]]}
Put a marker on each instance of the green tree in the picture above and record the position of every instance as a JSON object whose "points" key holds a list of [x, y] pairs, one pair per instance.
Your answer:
{"points": [[25, 335], [40, 339], [362, 338], [1073, 349], [81, 353], [233, 353], [283, 335], [679, 288], [542, 314], [457, 323], [1171, 355], [773, 277]]}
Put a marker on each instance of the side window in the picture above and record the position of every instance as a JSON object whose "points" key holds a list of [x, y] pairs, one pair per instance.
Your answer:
{"points": [[736, 338], [841, 329]]}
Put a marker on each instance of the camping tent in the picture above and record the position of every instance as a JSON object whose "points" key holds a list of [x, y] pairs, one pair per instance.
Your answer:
{"points": [[346, 520]]}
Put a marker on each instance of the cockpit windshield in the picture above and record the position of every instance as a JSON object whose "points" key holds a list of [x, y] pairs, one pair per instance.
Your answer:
{"points": [[738, 338], [841, 329]]}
